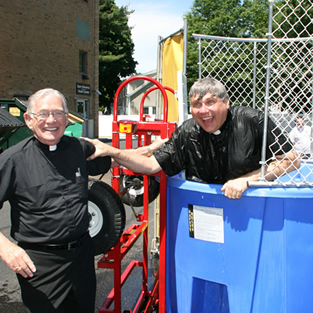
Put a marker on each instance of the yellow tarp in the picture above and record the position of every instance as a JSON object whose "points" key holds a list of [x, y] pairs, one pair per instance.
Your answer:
{"points": [[172, 61]]}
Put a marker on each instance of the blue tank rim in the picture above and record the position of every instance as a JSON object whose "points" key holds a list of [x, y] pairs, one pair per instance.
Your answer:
{"points": [[264, 192]]}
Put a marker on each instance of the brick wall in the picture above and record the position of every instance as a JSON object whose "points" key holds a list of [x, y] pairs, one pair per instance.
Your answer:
{"points": [[40, 48]]}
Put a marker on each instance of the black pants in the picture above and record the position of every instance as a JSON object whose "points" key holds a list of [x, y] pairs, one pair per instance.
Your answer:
{"points": [[65, 281]]}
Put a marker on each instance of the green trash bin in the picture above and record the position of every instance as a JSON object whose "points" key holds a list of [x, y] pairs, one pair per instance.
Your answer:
{"points": [[75, 126], [16, 110], [8, 127]]}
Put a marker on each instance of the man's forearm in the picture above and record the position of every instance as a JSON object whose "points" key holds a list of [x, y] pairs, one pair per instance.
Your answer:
{"points": [[135, 162], [4, 243], [282, 165]]}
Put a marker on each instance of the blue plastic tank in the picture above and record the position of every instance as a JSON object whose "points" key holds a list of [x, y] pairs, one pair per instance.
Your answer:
{"points": [[252, 255]]}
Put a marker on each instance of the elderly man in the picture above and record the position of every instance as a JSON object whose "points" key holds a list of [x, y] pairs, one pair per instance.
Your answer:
{"points": [[45, 180], [221, 144]]}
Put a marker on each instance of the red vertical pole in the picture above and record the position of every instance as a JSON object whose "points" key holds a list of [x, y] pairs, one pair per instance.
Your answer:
{"points": [[117, 279], [162, 255], [116, 144], [145, 237]]}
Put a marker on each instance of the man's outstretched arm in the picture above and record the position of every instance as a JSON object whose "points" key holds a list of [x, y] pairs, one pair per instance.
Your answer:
{"points": [[129, 158], [282, 164]]}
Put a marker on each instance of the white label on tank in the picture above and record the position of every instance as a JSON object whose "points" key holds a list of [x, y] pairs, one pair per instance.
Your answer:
{"points": [[206, 223]]}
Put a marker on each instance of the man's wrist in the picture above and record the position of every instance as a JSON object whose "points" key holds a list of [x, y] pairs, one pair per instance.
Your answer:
{"points": [[149, 152]]}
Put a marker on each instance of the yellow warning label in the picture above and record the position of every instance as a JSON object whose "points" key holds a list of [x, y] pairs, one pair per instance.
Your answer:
{"points": [[15, 111], [125, 128]]}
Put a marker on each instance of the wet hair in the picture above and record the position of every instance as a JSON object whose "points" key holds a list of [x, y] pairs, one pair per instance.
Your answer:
{"points": [[42, 94], [204, 85]]}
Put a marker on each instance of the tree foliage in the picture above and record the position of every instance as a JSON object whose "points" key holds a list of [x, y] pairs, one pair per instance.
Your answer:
{"points": [[116, 49], [293, 18], [233, 63], [227, 18]]}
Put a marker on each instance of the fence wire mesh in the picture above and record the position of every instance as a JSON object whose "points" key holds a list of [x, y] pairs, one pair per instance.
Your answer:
{"points": [[273, 75]]}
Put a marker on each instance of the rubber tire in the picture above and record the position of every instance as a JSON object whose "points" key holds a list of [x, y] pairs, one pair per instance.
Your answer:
{"points": [[106, 216], [136, 200]]}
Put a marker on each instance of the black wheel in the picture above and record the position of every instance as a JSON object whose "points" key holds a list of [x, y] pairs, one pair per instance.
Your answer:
{"points": [[106, 216], [132, 189]]}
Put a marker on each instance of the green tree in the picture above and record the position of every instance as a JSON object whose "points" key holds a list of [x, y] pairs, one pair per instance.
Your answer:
{"points": [[233, 62], [227, 18], [116, 50], [293, 18]]}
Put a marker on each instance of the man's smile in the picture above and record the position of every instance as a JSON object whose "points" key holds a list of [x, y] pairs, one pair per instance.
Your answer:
{"points": [[207, 118]]}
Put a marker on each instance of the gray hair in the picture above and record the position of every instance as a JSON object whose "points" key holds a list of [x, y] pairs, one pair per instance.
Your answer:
{"points": [[204, 85], [42, 94]]}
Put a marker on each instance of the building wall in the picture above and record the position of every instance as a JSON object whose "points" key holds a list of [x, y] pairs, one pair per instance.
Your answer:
{"points": [[132, 94], [149, 101], [40, 44]]}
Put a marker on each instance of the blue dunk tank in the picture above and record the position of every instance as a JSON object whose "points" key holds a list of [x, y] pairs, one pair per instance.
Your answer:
{"points": [[251, 255]]}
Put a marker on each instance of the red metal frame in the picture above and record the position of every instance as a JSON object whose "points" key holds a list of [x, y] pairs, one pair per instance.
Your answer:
{"points": [[145, 96], [144, 130]]}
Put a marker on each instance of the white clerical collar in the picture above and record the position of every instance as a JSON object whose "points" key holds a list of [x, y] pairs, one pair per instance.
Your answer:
{"points": [[52, 148], [217, 132]]}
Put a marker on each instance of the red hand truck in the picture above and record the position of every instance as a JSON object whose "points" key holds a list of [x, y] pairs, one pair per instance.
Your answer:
{"points": [[143, 130]]}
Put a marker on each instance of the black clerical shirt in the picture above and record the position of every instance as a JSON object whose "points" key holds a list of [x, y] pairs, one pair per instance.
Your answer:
{"points": [[232, 152], [48, 190]]}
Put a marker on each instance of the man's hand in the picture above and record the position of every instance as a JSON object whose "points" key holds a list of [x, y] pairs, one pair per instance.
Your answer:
{"points": [[17, 259], [233, 189], [130, 158], [157, 143]]}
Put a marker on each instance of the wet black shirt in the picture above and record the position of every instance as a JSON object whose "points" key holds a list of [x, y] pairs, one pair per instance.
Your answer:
{"points": [[214, 158], [48, 190]]}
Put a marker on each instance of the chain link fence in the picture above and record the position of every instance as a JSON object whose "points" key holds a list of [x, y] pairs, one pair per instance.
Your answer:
{"points": [[273, 75]]}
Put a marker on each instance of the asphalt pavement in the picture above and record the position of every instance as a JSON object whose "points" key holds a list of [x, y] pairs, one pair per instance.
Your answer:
{"points": [[10, 299]]}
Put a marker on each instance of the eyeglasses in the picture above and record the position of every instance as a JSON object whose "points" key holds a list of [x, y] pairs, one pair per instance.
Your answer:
{"points": [[43, 115]]}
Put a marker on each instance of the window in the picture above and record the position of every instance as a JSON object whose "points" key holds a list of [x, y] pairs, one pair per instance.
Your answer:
{"points": [[83, 64], [149, 110], [83, 30]]}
